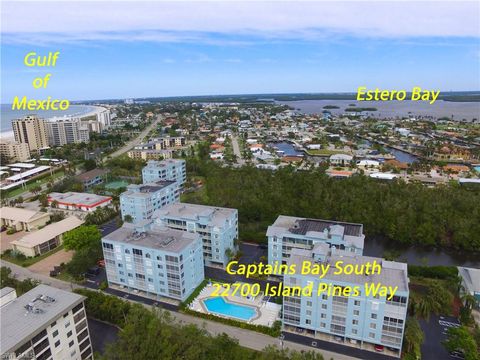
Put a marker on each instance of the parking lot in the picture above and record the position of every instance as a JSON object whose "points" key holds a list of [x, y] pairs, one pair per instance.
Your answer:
{"points": [[252, 253], [435, 331]]}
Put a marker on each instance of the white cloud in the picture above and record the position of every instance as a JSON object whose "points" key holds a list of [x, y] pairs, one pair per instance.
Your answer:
{"points": [[234, 22]]}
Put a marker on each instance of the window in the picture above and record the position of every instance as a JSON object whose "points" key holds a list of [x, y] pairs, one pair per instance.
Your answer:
{"points": [[324, 306], [57, 343], [53, 324], [65, 315], [55, 333], [309, 312], [159, 258], [356, 312], [107, 246], [309, 303], [137, 252], [323, 316], [67, 324], [127, 251], [374, 316], [148, 256], [70, 344], [324, 297], [373, 326], [322, 324], [159, 266], [355, 322], [356, 303], [69, 333], [371, 335], [354, 331], [308, 321]]}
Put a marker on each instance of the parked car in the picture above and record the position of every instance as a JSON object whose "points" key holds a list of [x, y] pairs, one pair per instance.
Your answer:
{"points": [[379, 348]]}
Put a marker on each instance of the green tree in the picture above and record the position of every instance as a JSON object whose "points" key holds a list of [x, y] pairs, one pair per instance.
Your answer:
{"points": [[413, 338], [83, 237], [459, 339]]}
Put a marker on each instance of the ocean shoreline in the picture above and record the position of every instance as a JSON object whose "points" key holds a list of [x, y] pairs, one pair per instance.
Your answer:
{"points": [[8, 135]]}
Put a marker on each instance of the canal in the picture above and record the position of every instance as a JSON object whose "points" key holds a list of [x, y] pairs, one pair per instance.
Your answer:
{"points": [[286, 147], [377, 246]]}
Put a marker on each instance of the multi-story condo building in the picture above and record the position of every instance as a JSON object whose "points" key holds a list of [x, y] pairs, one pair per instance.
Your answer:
{"points": [[289, 233], [218, 228], [14, 151], [150, 154], [170, 169], [45, 323], [365, 320], [66, 131], [140, 201], [168, 142], [30, 130], [154, 259]]}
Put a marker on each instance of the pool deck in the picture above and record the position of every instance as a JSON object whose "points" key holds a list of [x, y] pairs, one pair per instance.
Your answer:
{"points": [[267, 313]]}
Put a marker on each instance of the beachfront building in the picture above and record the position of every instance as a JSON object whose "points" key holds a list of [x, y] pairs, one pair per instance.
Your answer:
{"points": [[30, 130], [218, 228], [14, 151], [288, 233], [22, 219], [364, 321], [154, 259], [65, 131], [45, 323], [78, 201], [169, 169], [48, 238], [140, 201]]}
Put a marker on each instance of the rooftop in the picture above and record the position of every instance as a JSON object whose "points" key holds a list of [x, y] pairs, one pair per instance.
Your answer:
{"points": [[391, 274], [217, 216], [74, 198], [23, 317], [145, 189], [164, 163], [18, 214], [92, 174], [48, 232], [155, 237]]}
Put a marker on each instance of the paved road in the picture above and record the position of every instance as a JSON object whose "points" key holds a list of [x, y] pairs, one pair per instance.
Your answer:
{"points": [[236, 150], [136, 141], [246, 338]]}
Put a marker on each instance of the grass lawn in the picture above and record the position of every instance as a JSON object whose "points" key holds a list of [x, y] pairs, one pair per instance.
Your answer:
{"points": [[30, 260], [20, 190]]}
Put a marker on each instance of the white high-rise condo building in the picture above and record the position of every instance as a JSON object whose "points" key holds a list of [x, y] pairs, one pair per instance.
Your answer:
{"points": [[217, 226], [288, 233], [364, 321], [45, 323], [154, 259]]}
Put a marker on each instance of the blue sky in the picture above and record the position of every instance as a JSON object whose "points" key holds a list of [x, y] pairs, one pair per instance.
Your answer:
{"points": [[125, 49]]}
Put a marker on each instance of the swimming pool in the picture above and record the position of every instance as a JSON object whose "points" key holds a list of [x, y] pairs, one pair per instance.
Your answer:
{"points": [[477, 168], [218, 305]]}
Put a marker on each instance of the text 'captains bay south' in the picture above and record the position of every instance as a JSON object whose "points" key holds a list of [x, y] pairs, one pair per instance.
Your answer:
{"points": [[32, 59]]}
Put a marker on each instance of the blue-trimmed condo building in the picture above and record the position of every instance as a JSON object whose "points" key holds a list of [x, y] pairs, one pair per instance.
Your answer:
{"points": [[169, 169], [288, 233], [153, 259], [141, 201], [217, 226], [362, 321]]}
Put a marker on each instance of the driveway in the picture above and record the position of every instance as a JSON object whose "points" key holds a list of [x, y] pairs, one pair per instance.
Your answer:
{"points": [[5, 239], [46, 265]]}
